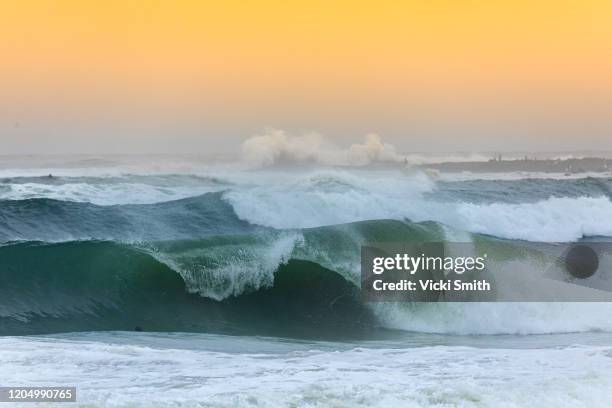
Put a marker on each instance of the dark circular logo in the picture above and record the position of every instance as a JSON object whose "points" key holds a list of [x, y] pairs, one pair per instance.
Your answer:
{"points": [[581, 261]]}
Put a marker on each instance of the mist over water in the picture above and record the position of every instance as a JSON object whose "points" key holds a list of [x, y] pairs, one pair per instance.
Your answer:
{"points": [[226, 227], [277, 147], [268, 244], [157, 250]]}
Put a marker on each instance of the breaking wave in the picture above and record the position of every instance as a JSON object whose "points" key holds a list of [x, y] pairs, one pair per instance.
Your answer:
{"points": [[273, 254], [291, 283]]}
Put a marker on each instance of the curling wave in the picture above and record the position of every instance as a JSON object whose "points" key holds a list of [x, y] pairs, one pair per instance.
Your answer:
{"points": [[280, 256], [290, 283]]}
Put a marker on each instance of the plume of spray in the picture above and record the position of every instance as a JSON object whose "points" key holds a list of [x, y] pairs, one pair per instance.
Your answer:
{"points": [[372, 150], [276, 146]]}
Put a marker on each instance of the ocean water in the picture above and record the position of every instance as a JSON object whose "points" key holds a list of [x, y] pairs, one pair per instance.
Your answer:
{"points": [[190, 282]]}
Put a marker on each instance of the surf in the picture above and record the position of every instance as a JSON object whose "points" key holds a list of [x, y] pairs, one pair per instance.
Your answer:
{"points": [[257, 256]]}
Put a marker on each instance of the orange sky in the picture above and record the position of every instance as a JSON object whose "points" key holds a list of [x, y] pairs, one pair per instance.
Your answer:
{"points": [[335, 66]]}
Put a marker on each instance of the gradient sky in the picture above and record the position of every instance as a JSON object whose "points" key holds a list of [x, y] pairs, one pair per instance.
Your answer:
{"points": [[200, 76]]}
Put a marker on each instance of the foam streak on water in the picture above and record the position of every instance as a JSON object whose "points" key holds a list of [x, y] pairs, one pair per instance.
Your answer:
{"points": [[122, 373]]}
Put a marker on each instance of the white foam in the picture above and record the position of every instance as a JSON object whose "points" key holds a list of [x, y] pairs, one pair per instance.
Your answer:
{"points": [[312, 198], [333, 197], [552, 220], [105, 194], [127, 375], [230, 269], [328, 197], [496, 318]]}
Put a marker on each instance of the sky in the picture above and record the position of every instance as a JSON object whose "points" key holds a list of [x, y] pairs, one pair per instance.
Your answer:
{"points": [[161, 76]]}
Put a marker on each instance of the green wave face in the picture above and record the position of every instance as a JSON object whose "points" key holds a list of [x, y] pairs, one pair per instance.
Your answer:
{"points": [[194, 265], [83, 286], [277, 282]]}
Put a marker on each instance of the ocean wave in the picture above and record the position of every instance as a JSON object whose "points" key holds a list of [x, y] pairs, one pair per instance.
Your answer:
{"points": [[84, 286], [586, 212], [521, 318], [52, 220], [527, 190], [551, 220], [321, 199], [272, 253], [127, 189], [303, 282], [329, 197]]}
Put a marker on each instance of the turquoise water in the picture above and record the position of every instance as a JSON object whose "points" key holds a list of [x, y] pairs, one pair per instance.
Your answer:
{"points": [[215, 285]]}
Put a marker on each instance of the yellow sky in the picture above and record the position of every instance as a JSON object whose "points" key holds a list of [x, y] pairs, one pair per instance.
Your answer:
{"points": [[312, 61]]}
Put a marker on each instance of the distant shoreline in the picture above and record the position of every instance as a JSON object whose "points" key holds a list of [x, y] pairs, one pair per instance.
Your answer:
{"points": [[567, 166]]}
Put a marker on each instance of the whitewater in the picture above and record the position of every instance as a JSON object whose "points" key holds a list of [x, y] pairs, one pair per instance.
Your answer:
{"points": [[208, 282]]}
